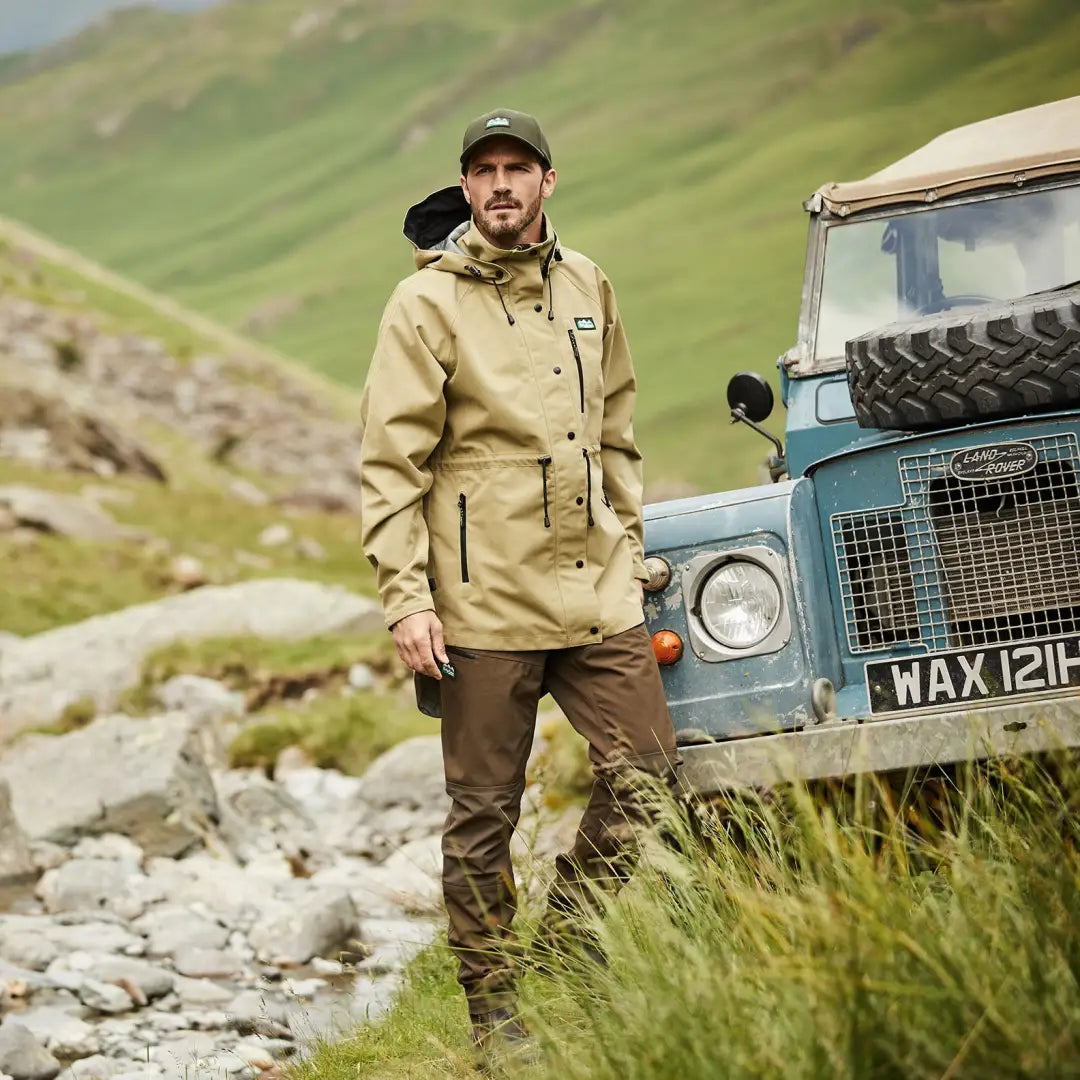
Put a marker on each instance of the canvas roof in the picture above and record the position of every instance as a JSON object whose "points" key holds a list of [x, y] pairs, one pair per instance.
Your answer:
{"points": [[1029, 143]]}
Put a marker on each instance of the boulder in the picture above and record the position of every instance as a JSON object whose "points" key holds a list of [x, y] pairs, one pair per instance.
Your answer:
{"points": [[17, 863], [61, 1031], [318, 926], [171, 928], [410, 774], [88, 885], [99, 658], [22, 1057], [65, 515], [144, 779]]}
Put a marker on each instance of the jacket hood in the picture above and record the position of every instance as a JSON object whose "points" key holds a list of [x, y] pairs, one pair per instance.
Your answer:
{"points": [[440, 227]]}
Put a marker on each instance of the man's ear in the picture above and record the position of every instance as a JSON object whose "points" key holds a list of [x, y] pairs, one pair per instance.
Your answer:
{"points": [[547, 185], [465, 190]]}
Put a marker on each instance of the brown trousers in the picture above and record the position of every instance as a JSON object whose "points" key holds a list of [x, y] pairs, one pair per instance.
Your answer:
{"points": [[611, 693]]}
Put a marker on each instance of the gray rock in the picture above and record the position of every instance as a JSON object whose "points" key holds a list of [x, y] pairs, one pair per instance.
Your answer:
{"points": [[254, 1009], [66, 515], [22, 1056], [61, 1031], [86, 885], [320, 791], [144, 779], [201, 991], [95, 1067], [410, 775], [16, 857], [47, 855], [105, 997], [318, 926], [199, 963], [260, 817], [204, 700], [27, 948], [94, 937], [109, 846], [169, 929], [361, 677], [102, 656], [150, 980]]}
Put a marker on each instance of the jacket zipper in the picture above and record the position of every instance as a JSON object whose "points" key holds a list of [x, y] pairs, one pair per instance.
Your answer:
{"points": [[580, 369], [588, 486], [544, 462], [462, 541]]}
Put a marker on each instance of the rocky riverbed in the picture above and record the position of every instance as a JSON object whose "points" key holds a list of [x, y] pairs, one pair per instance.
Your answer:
{"points": [[161, 912]]}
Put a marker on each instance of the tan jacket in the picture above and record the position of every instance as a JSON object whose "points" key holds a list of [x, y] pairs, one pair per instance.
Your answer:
{"points": [[501, 483]]}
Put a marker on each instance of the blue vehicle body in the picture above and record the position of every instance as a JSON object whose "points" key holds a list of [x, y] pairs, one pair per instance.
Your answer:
{"points": [[884, 655]]}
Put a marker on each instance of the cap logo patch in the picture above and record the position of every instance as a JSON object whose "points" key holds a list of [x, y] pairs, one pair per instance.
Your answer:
{"points": [[585, 323], [498, 121]]}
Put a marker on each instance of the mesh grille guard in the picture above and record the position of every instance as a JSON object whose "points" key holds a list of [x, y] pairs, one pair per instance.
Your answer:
{"points": [[965, 563]]}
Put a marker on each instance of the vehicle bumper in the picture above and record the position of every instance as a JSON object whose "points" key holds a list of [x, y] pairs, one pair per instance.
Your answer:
{"points": [[846, 747]]}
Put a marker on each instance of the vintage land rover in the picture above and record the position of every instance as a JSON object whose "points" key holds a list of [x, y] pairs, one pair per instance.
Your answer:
{"points": [[907, 591]]}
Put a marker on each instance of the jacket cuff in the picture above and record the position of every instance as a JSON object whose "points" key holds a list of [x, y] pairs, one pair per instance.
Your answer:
{"points": [[404, 610]]}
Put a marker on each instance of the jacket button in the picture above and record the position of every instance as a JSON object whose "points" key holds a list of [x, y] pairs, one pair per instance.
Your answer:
{"points": [[538, 307], [498, 275], [580, 501], [580, 564], [594, 629], [557, 370], [570, 436]]}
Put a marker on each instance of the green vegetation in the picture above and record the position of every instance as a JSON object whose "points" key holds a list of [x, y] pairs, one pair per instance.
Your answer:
{"points": [[266, 669], [255, 160], [345, 733], [51, 580], [868, 933]]}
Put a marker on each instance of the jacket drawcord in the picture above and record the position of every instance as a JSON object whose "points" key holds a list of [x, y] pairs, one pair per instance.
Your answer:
{"points": [[544, 462], [555, 254], [588, 486], [509, 317]]}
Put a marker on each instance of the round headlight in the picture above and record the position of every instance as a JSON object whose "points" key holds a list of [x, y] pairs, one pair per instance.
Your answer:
{"points": [[740, 604]]}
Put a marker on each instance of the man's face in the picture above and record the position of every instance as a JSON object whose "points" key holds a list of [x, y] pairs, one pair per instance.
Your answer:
{"points": [[505, 185]]}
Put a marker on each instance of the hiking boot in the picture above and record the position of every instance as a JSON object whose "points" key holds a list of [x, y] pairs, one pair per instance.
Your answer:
{"points": [[500, 1037]]}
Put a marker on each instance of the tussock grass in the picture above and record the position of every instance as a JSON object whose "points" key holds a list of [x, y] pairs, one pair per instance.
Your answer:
{"points": [[876, 930], [345, 733]]}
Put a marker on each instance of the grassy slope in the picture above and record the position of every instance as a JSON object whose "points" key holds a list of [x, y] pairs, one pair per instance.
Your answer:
{"points": [[252, 167]]}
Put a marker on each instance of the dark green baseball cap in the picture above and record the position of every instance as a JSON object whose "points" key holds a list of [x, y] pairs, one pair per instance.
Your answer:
{"points": [[510, 124]]}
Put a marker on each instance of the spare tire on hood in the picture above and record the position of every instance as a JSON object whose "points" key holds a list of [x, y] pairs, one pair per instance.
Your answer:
{"points": [[999, 359]]}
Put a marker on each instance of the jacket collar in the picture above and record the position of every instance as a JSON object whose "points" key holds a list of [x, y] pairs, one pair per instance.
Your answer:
{"points": [[445, 236]]}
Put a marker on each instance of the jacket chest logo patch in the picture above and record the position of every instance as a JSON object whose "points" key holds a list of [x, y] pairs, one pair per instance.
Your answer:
{"points": [[585, 323]]}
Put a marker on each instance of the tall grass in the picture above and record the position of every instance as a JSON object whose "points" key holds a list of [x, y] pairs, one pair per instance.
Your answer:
{"points": [[872, 931], [930, 932]]}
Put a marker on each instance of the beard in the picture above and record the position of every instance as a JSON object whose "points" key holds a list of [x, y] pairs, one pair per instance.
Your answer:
{"points": [[504, 227]]}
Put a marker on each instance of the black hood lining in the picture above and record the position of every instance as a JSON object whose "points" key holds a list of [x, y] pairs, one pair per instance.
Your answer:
{"points": [[430, 222]]}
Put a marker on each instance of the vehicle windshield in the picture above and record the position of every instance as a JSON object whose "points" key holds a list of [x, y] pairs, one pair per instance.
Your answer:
{"points": [[879, 271]]}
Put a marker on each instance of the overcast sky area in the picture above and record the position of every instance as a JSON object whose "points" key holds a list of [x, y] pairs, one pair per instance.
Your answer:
{"points": [[28, 24]]}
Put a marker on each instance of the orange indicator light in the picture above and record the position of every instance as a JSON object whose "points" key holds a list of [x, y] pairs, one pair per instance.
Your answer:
{"points": [[666, 646]]}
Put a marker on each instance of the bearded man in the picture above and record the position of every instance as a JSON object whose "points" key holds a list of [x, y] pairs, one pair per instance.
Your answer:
{"points": [[502, 511]]}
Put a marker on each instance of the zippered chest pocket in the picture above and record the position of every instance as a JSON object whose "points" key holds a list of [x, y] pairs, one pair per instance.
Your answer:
{"points": [[586, 348]]}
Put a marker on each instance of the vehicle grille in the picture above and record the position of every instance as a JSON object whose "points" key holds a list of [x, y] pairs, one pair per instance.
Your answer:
{"points": [[964, 563]]}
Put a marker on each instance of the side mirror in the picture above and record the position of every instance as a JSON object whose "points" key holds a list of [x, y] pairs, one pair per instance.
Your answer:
{"points": [[750, 399], [751, 395]]}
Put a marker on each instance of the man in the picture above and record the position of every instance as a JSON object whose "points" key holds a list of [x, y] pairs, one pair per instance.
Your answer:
{"points": [[502, 513]]}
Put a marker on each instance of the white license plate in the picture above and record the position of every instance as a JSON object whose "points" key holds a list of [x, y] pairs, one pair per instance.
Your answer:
{"points": [[971, 676]]}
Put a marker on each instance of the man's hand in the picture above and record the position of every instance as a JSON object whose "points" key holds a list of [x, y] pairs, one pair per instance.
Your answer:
{"points": [[639, 585], [419, 641]]}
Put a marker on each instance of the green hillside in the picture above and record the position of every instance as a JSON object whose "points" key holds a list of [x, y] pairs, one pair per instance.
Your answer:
{"points": [[255, 159]]}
